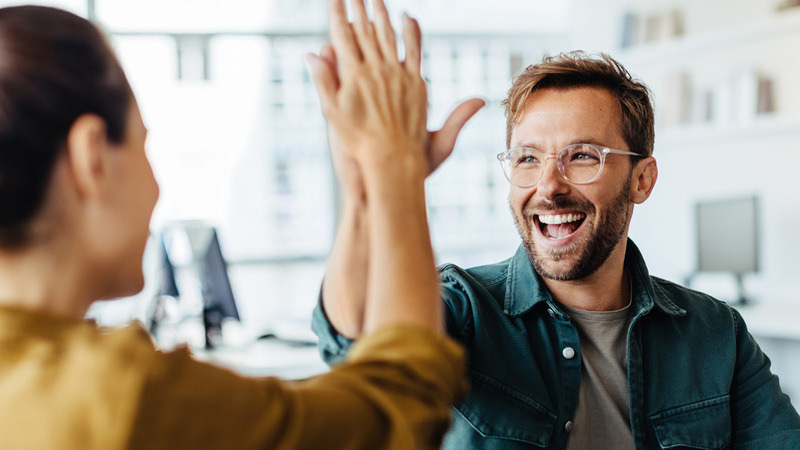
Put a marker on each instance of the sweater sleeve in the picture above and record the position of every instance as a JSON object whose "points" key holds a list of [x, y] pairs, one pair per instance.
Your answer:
{"points": [[393, 391]]}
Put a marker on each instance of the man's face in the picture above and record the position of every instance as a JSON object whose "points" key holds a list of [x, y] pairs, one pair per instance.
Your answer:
{"points": [[570, 230]]}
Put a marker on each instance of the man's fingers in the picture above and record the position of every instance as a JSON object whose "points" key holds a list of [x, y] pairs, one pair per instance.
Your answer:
{"points": [[328, 55], [324, 79], [342, 37], [364, 32], [412, 37], [384, 33], [443, 140], [460, 115]]}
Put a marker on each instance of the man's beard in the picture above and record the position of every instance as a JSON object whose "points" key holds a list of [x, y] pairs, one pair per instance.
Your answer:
{"points": [[593, 251]]}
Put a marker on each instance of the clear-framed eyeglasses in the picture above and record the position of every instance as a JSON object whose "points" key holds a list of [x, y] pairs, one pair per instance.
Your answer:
{"points": [[577, 163]]}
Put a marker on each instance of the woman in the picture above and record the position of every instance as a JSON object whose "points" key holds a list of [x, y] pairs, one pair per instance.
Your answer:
{"points": [[76, 196]]}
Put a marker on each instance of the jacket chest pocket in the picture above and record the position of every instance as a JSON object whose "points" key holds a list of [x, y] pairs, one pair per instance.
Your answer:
{"points": [[502, 414], [703, 425]]}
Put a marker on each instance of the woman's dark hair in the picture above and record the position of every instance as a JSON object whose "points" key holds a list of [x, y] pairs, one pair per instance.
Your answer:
{"points": [[54, 67]]}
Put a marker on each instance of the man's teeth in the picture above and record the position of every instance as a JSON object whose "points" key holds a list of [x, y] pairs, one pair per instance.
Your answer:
{"points": [[560, 218]]}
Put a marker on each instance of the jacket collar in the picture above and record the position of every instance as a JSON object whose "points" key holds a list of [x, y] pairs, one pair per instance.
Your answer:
{"points": [[525, 288]]}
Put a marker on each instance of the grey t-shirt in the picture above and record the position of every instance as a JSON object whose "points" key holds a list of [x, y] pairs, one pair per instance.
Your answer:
{"points": [[602, 417]]}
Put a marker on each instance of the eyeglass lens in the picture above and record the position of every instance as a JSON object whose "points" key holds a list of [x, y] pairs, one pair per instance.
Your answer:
{"points": [[577, 163]]}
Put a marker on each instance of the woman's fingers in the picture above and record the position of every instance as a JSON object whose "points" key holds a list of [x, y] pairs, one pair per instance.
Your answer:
{"points": [[361, 88], [364, 40], [412, 36], [364, 31], [384, 33], [342, 36]]}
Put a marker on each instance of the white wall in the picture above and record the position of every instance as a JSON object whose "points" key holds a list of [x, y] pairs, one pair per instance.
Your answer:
{"points": [[722, 43]]}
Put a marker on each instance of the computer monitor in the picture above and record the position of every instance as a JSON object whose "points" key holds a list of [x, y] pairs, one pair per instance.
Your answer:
{"points": [[211, 269], [727, 237], [166, 272], [166, 286]]}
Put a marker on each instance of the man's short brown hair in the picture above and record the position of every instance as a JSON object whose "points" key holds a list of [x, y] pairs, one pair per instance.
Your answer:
{"points": [[579, 69]]}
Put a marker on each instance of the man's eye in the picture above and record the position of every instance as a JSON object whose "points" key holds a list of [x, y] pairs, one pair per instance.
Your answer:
{"points": [[583, 157], [526, 160]]}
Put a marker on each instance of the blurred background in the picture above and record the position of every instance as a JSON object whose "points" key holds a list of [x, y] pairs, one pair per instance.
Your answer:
{"points": [[238, 143]]}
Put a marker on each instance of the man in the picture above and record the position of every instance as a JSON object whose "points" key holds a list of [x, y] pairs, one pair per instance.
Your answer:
{"points": [[572, 344]]}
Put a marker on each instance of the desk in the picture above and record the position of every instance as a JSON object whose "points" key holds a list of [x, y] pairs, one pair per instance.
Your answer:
{"points": [[775, 320], [775, 326], [268, 357]]}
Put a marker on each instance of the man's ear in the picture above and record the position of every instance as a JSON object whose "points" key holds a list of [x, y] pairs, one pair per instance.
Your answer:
{"points": [[643, 180], [87, 151]]}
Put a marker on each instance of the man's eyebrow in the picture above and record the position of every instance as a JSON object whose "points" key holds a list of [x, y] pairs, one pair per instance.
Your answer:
{"points": [[589, 140], [525, 146], [581, 140]]}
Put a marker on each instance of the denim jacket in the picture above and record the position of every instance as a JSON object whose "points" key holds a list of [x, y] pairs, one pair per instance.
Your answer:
{"points": [[696, 378]]}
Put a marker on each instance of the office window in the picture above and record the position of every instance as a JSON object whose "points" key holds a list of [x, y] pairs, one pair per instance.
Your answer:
{"points": [[78, 7], [237, 139]]}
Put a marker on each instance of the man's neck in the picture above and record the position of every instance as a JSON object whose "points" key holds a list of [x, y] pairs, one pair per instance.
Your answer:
{"points": [[607, 289]]}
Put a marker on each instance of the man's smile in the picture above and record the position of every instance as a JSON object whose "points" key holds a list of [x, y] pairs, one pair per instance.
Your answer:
{"points": [[559, 226]]}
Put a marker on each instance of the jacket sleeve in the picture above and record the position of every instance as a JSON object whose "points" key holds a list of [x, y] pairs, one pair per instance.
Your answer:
{"points": [[333, 347], [394, 391], [764, 417]]}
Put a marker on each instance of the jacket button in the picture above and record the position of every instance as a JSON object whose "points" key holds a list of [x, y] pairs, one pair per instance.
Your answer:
{"points": [[568, 426], [551, 313], [568, 352]]}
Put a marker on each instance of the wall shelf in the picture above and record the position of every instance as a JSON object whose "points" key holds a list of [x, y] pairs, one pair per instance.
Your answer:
{"points": [[764, 127], [780, 25]]}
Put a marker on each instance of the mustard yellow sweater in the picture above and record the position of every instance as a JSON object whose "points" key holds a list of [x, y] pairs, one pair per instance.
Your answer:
{"points": [[67, 384]]}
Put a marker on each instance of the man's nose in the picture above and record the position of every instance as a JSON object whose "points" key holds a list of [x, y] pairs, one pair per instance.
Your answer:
{"points": [[552, 183]]}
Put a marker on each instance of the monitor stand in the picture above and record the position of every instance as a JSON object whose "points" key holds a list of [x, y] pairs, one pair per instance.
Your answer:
{"points": [[742, 300], [212, 324]]}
